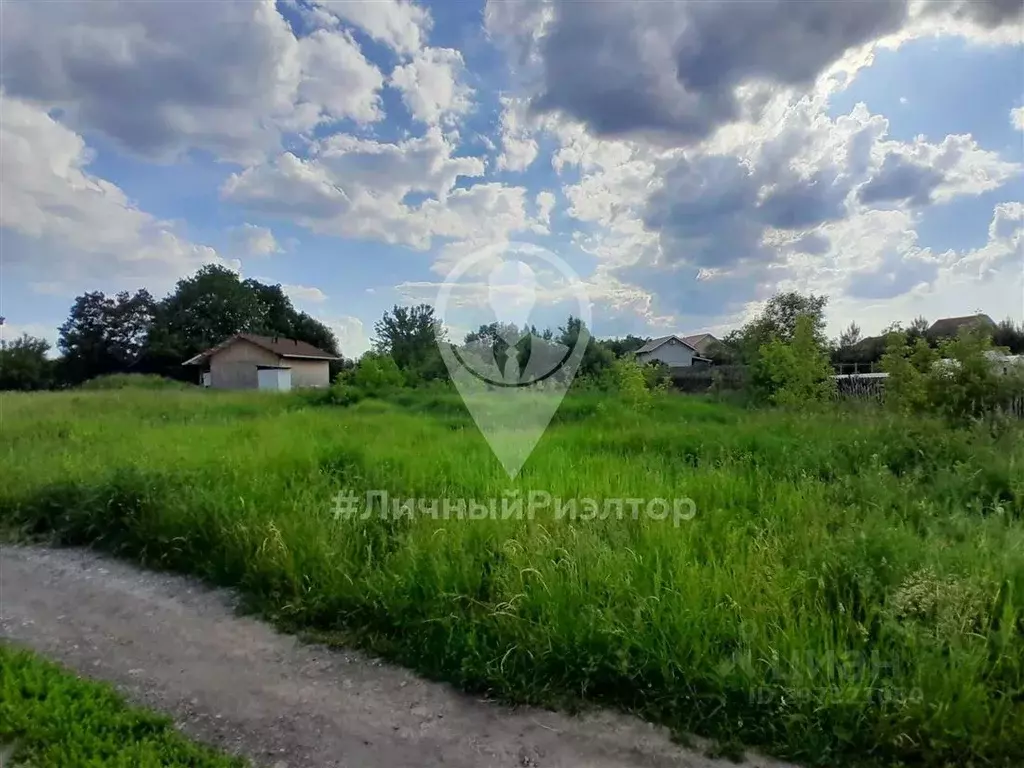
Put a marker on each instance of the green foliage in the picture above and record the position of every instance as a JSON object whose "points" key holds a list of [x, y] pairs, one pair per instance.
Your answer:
{"points": [[907, 388], [24, 364], [134, 381], [795, 372], [962, 380], [376, 373], [104, 335], [50, 718], [778, 321], [850, 591], [410, 336], [629, 381]]}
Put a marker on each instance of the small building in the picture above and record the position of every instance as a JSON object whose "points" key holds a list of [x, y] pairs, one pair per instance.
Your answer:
{"points": [[248, 361], [673, 351]]}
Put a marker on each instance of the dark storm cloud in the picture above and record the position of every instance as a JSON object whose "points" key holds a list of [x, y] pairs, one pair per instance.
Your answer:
{"points": [[706, 212], [987, 13], [711, 212], [900, 181], [805, 203], [670, 68]]}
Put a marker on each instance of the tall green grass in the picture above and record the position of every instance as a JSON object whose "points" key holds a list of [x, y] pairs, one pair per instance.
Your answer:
{"points": [[851, 589]]}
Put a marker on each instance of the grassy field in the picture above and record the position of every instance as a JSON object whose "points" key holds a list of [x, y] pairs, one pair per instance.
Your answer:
{"points": [[50, 718], [851, 589]]}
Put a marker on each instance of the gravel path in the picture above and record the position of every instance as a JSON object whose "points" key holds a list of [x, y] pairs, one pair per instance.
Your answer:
{"points": [[234, 682]]}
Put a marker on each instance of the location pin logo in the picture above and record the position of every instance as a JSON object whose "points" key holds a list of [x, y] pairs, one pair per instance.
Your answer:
{"points": [[512, 383]]}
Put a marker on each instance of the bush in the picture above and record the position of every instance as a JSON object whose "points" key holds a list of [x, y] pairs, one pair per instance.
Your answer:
{"points": [[960, 381], [628, 379], [795, 372], [376, 373]]}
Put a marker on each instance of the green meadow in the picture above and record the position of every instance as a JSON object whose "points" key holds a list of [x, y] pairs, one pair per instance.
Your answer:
{"points": [[849, 591]]}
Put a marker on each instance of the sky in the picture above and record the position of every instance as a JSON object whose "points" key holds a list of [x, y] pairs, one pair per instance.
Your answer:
{"points": [[687, 160]]}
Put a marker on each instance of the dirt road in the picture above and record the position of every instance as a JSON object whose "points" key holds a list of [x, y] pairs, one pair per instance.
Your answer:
{"points": [[234, 682]]}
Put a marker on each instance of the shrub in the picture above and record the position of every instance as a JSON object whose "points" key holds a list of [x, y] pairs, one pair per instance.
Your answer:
{"points": [[628, 379], [374, 373], [906, 388], [959, 381], [795, 372]]}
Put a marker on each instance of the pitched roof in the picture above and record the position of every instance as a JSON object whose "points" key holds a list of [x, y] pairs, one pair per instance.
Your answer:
{"points": [[653, 344], [700, 341], [287, 348], [950, 326]]}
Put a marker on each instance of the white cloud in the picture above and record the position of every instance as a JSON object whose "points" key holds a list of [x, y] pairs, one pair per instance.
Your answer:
{"points": [[519, 148], [399, 24], [356, 187], [1017, 118], [338, 79], [351, 335], [432, 85], [80, 230], [304, 294], [546, 202], [251, 240]]}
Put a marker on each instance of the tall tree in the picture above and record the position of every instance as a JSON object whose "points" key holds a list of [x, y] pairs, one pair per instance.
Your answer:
{"points": [[597, 358], [778, 320], [207, 308], [105, 334], [410, 335]]}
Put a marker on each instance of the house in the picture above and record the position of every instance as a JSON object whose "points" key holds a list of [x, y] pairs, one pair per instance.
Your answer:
{"points": [[702, 342], [949, 327], [673, 351], [248, 361]]}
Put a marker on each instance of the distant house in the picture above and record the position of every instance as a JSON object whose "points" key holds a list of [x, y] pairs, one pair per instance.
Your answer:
{"points": [[673, 351], [248, 361], [702, 342], [949, 327]]}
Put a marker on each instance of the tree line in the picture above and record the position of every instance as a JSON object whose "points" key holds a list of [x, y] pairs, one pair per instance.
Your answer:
{"points": [[137, 333]]}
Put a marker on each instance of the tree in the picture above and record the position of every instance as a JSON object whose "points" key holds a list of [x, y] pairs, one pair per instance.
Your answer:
{"points": [[850, 337], [906, 387], [624, 346], [918, 329], [105, 335], [410, 335], [1010, 335], [778, 320], [208, 307], [597, 358], [795, 372], [24, 364]]}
